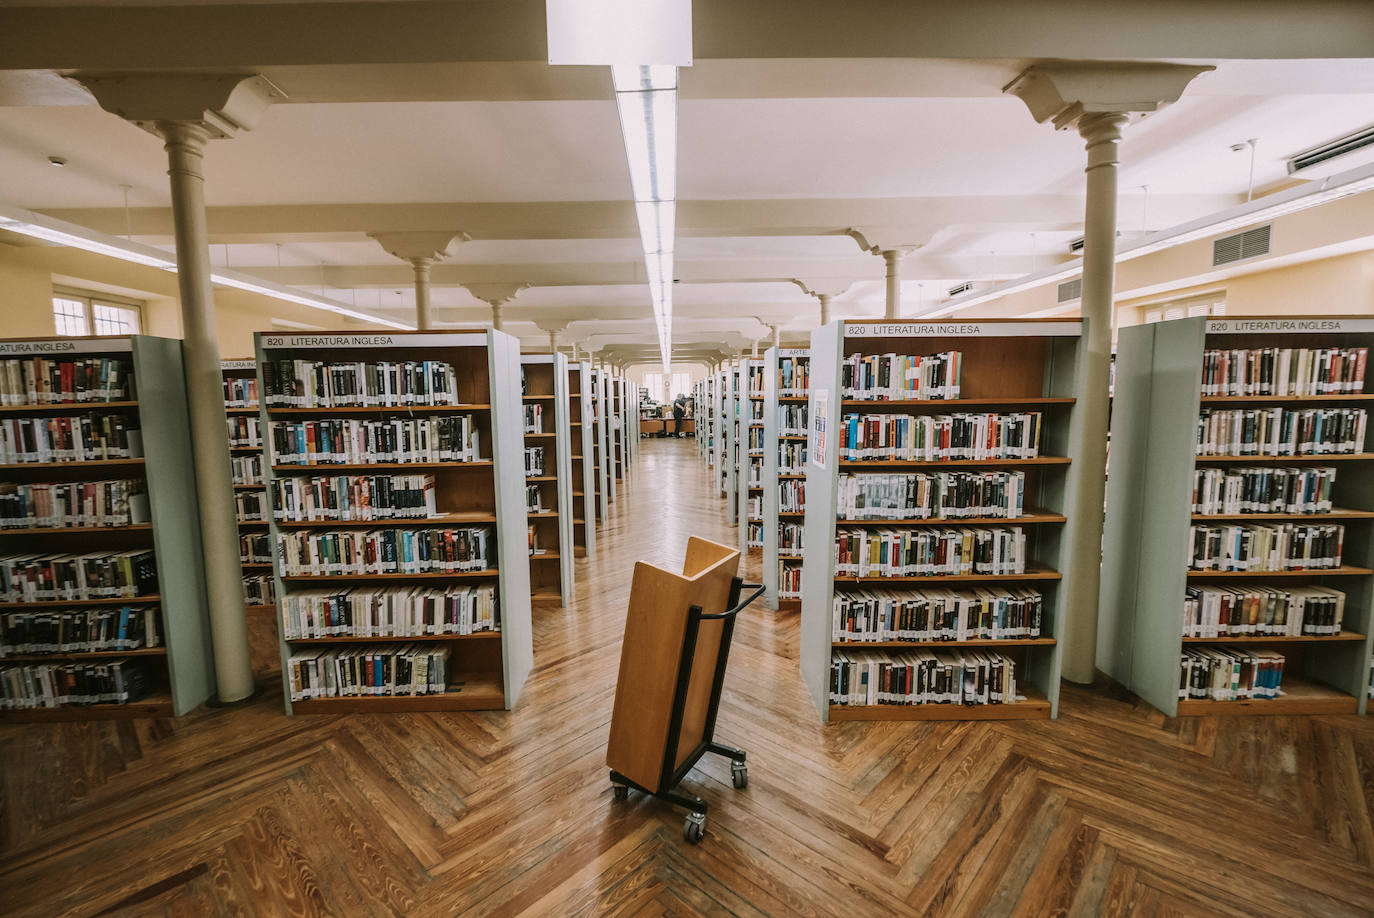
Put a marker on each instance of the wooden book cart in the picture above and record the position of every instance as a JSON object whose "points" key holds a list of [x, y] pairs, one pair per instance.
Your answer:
{"points": [[672, 668]]}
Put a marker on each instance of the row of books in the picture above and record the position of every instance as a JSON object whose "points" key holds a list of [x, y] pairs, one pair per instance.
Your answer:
{"points": [[243, 430], [1255, 609], [791, 420], [933, 438], [930, 552], [534, 498], [1263, 490], [755, 408], [934, 495], [1279, 547], [792, 457], [246, 470], [894, 377], [1284, 371], [754, 383], [755, 472], [534, 461], [55, 685], [348, 441], [754, 536], [794, 376], [387, 551], [936, 615], [755, 507], [789, 581], [73, 505], [398, 612], [365, 384], [300, 498], [259, 590], [791, 538], [755, 440], [250, 506], [792, 495], [44, 381], [400, 669], [255, 548], [241, 392], [79, 630], [93, 575], [1230, 673], [74, 438], [1281, 431], [534, 419], [910, 677]]}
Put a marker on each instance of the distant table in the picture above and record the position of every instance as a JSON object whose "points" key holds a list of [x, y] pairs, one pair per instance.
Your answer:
{"points": [[663, 427]]}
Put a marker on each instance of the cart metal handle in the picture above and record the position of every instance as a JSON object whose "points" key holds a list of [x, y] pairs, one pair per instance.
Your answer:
{"points": [[739, 606]]}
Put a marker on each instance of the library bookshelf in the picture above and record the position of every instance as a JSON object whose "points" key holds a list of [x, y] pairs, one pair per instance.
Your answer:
{"points": [[719, 432], [581, 455], [240, 379], [599, 441], [551, 560], [180, 671], [486, 670], [618, 428], [701, 400], [733, 481], [1007, 366], [750, 512], [1147, 540], [782, 566]]}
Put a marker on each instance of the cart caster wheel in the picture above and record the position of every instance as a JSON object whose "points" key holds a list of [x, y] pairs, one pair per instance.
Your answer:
{"points": [[694, 827], [739, 775], [620, 791]]}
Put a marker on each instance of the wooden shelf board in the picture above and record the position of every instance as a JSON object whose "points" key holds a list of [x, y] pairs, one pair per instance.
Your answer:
{"points": [[546, 597], [1276, 639], [254, 566], [545, 556], [318, 468], [48, 467], [1345, 570], [448, 519], [926, 645], [541, 478], [250, 487], [955, 403], [155, 705], [794, 398], [1030, 516], [1335, 514], [1299, 697], [540, 434], [413, 409], [245, 449], [792, 437], [246, 524], [1283, 399], [478, 693], [381, 578], [240, 411], [85, 655], [81, 603], [789, 605], [1035, 707], [1033, 572], [537, 398], [986, 463], [396, 639], [1276, 460], [791, 478], [60, 407], [78, 530]]}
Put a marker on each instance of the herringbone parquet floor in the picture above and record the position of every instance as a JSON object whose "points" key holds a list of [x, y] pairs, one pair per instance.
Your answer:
{"points": [[1111, 810]]}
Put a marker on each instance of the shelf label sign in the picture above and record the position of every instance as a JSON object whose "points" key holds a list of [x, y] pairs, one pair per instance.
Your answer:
{"points": [[237, 365], [1286, 326], [68, 346], [820, 408], [968, 329], [794, 352], [366, 340]]}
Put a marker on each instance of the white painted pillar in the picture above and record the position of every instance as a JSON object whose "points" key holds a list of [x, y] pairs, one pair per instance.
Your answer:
{"points": [[553, 342], [893, 259], [777, 336], [496, 316], [825, 307], [219, 535], [424, 316]]}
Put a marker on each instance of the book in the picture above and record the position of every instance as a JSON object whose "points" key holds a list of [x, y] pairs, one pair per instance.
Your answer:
{"points": [[53, 685], [69, 438], [93, 575], [1230, 673], [1294, 371], [1211, 611], [387, 551], [400, 669], [396, 612], [930, 552], [941, 437], [64, 505], [367, 384], [347, 441], [972, 677], [1263, 490], [898, 377], [1255, 547], [1281, 431], [353, 497], [937, 615], [79, 630], [44, 381], [936, 495]]}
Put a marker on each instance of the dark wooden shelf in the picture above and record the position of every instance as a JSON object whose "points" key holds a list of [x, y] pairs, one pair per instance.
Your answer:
{"points": [[1332, 515], [84, 655], [1275, 638], [397, 638], [972, 642], [1035, 707], [73, 530], [413, 409], [81, 603], [1033, 572], [156, 705], [1345, 570], [317, 468], [49, 467], [446, 575], [477, 693], [1283, 399], [1029, 517], [1299, 697], [947, 463], [250, 487], [448, 519], [1278, 460], [954, 403], [61, 407]]}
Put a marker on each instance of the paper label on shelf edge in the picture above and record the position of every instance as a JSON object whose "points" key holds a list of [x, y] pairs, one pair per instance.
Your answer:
{"points": [[460, 339], [1254, 326], [794, 352], [68, 346], [819, 408], [966, 329], [237, 365], [532, 359]]}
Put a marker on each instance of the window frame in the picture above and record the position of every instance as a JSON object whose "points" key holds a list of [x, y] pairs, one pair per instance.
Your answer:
{"points": [[90, 300]]}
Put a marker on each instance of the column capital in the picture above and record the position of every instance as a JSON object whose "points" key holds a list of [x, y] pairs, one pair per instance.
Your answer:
{"points": [[1067, 92], [818, 286], [221, 104], [881, 241], [495, 294], [416, 246]]}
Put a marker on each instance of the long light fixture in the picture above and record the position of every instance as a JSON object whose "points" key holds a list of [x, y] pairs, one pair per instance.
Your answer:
{"points": [[60, 232], [1271, 207], [646, 98]]}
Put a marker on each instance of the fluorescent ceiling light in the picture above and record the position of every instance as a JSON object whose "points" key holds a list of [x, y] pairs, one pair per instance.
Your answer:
{"points": [[656, 225], [1261, 210], [60, 232]]}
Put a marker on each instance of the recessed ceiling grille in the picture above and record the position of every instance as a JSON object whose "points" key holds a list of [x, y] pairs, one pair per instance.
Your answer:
{"points": [[1076, 246], [1071, 290], [1241, 246], [965, 287], [1348, 144]]}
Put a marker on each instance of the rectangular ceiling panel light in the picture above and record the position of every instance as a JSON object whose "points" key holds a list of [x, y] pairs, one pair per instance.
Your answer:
{"points": [[606, 32]]}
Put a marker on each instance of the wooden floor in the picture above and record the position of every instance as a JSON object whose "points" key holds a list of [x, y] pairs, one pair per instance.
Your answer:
{"points": [[1111, 810]]}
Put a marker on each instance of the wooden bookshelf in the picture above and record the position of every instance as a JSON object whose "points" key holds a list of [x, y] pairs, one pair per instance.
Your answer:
{"points": [[1157, 402], [485, 671], [1017, 365], [583, 451], [245, 369], [546, 385], [777, 566], [751, 431], [618, 428], [597, 419], [180, 671]]}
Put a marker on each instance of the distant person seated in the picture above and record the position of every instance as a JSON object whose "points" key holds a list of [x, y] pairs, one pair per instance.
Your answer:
{"points": [[679, 412]]}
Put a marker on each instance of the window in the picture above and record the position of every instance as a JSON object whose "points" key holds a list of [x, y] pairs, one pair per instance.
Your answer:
{"points": [[76, 313], [681, 384], [1212, 304]]}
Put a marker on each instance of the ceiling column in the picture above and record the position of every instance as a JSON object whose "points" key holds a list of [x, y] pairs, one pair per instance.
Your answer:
{"points": [[777, 336], [824, 299], [421, 250], [186, 111], [1096, 100], [496, 296], [892, 258]]}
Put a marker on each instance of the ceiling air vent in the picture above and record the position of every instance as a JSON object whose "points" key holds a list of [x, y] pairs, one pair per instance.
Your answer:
{"points": [[1308, 161], [965, 287], [1241, 246], [1076, 246], [1071, 290]]}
